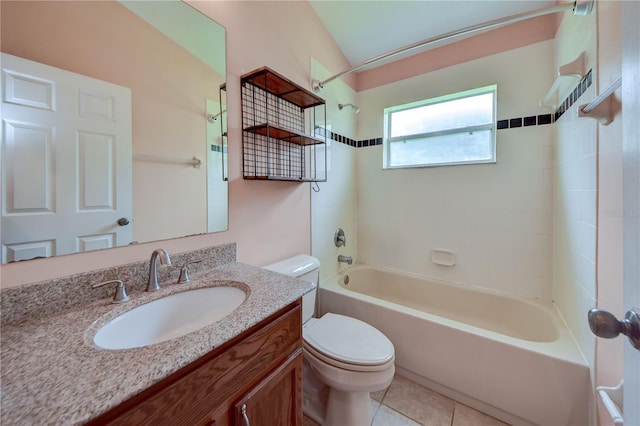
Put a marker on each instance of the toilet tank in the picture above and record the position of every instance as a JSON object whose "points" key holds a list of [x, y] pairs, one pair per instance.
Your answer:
{"points": [[303, 267]]}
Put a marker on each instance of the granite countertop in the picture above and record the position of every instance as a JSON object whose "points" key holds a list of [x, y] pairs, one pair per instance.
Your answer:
{"points": [[52, 372]]}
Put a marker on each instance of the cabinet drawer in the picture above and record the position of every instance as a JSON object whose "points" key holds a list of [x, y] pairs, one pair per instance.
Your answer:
{"points": [[190, 395]]}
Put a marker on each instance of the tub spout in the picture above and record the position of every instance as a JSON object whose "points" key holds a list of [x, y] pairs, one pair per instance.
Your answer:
{"points": [[345, 259]]}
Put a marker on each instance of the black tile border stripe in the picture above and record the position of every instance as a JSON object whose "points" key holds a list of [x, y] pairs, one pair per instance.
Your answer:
{"points": [[545, 119], [573, 97], [531, 120], [510, 123], [218, 148]]}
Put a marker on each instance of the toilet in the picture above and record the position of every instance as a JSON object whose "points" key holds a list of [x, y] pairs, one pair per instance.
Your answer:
{"points": [[344, 358]]}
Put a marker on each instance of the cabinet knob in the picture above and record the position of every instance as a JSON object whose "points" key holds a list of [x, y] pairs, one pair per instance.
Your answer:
{"points": [[243, 411]]}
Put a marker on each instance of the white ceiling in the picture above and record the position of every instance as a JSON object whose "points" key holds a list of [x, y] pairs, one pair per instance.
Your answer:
{"points": [[364, 29]]}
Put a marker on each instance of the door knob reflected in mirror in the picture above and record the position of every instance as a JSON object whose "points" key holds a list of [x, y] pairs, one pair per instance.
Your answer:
{"points": [[605, 324]]}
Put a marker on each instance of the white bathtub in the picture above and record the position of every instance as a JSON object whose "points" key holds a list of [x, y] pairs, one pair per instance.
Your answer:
{"points": [[511, 358]]}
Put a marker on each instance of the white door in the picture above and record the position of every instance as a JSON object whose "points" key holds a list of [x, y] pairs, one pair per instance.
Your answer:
{"points": [[631, 194], [605, 324], [66, 162]]}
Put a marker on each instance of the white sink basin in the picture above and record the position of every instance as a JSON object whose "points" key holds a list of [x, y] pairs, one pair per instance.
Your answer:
{"points": [[169, 317]]}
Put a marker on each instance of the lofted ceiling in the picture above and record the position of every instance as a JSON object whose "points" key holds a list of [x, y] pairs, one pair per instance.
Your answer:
{"points": [[364, 29]]}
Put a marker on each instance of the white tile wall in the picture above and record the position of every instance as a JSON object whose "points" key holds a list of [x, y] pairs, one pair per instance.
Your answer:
{"points": [[496, 218], [335, 205], [575, 193]]}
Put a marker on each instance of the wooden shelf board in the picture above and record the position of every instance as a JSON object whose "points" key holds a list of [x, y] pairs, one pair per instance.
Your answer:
{"points": [[280, 86], [282, 133]]}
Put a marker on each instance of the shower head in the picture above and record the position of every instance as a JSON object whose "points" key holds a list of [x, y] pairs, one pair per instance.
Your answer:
{"points": [[355, 108]]}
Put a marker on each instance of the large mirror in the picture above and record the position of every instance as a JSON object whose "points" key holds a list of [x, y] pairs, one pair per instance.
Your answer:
{"points": [[113, 125]]}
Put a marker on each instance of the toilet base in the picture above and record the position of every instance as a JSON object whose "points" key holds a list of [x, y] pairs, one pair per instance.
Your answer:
{"points": [[347, 409], [330, 407], [315, 394]]}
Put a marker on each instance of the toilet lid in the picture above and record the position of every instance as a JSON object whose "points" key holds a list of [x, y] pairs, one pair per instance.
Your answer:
{"points": [[349, 340]]}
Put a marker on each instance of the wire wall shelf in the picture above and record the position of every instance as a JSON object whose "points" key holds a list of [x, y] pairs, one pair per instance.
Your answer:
{"points": [[283, 134]]}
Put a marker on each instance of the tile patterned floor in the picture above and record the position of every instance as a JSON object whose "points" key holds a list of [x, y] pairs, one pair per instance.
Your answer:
{"points": [[406, 403]]}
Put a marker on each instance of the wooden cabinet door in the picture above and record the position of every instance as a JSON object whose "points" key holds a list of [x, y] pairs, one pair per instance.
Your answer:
{"points": [[276, 400]]}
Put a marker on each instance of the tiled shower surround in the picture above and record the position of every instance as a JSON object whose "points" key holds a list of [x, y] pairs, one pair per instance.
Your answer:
{"points": [[526, 225], [510, 123], [496, 218]]}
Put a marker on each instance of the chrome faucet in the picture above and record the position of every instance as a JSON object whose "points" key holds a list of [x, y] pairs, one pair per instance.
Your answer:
{"points": [[345, 259], [161, 254]]}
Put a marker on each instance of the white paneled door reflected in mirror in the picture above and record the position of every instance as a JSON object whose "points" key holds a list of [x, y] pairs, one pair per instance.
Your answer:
{"points": [[113, 116]]}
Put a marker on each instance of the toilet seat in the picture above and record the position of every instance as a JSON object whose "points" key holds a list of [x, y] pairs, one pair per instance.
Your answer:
{"points": [[309, 351], [347, 343]]}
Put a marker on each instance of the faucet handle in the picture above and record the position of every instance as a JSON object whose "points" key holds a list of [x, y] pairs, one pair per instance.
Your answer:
{"points": [[121, 295], [339, 239], [184, 272]]}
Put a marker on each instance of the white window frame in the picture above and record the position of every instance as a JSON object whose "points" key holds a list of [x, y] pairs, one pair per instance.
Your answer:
{"points": [[387, 140]]}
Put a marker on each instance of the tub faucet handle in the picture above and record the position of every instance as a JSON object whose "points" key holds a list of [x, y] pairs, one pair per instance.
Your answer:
{"points": [[339, 239]]}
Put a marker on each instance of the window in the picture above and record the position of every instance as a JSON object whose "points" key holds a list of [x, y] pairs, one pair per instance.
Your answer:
{"points": [[448, 130]]}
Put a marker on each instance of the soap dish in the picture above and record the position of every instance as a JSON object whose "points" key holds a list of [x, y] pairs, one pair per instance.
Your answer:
{"points": [[443, 257]]}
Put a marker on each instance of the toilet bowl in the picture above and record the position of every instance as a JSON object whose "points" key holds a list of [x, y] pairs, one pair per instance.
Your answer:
{"points": [[344, 358]]}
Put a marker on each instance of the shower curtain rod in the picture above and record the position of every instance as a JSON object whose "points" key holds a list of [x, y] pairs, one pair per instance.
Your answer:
{"points": [[580, 8]]}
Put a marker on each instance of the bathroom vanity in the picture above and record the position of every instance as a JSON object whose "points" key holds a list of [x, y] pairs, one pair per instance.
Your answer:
{"points": [[255, 376], [246, 366]]}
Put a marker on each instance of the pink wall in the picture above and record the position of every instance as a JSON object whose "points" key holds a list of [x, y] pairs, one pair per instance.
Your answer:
{"points": [[485, 44], [268, 220]]}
